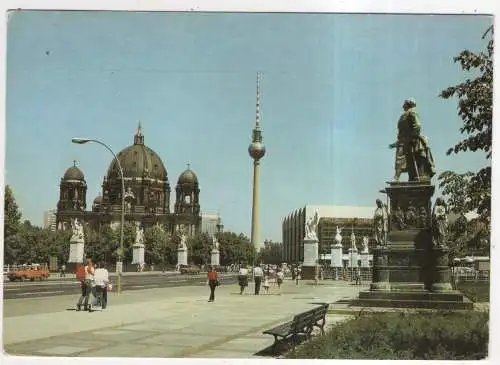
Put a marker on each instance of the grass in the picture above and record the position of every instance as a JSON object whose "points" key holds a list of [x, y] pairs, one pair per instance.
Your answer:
{"points": [[403, 336], [477, 292]]}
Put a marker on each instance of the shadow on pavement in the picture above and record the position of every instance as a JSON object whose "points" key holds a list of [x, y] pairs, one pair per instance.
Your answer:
{"points": [[283, 347]]}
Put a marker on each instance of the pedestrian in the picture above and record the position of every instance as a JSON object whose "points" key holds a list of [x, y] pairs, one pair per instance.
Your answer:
{"points": [[86, 285], [243, 279], [257, 276], [279, 279], [101, 279], [297, 275], [358, 277], [63, 271], [213, 282], [266, 284]]}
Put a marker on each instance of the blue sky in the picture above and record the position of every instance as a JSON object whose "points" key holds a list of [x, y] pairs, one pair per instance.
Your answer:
{"points": [[332, 90]]}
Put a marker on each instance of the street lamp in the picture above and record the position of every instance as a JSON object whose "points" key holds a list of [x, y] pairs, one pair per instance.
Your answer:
{"points": [[87, 140]]}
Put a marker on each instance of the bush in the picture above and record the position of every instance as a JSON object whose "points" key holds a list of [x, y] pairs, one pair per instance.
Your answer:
{"points": [[403, 336]]}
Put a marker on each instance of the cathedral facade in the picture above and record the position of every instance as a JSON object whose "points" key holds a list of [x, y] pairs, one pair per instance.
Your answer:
{"points": [[147, 194]]}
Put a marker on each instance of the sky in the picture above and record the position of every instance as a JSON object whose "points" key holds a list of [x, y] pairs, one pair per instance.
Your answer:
{"points": [[332, 87]]}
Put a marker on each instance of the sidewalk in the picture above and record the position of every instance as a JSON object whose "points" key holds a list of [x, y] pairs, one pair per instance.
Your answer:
{"points": [[167, 322]]}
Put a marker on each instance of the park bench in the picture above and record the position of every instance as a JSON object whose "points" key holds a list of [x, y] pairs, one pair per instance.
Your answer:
{"points": [[302, 323]]}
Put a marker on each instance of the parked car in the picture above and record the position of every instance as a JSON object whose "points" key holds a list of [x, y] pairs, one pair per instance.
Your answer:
{"points": [[190, 270], [28, 272]]}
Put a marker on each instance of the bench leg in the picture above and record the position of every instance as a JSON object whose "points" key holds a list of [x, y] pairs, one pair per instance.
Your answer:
{"points": [[273, 349]]}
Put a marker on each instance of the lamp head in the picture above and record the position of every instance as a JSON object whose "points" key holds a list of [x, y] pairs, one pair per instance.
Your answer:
{"points": [[79, 140]]}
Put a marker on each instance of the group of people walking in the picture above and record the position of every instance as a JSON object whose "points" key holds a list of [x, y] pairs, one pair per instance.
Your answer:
{"points": [[261, 279], [94, 282]]}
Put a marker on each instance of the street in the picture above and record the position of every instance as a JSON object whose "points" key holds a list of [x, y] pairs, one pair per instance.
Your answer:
{"points": [[22, 290]]}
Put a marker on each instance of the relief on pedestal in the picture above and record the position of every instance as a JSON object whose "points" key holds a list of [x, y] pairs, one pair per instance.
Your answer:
{"points": [[409, 216]]}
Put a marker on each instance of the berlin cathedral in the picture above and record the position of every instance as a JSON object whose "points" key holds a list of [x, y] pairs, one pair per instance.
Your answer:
{"points": [[147, 194]]}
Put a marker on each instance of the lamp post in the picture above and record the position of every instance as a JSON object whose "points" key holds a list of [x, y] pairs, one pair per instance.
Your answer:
{"points": [[87, 140]]}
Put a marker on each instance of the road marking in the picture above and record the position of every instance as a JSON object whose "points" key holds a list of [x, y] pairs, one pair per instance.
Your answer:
{"points": [[41, 292], [42, 284], [143, 286], [5, 289]]}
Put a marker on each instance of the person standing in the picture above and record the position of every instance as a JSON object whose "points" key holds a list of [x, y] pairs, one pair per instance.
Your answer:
{"points": [[266, 284], [257, 276], [63, 271], [279, 279], [86, 286], [101, 277], [243, 279], [213, 282]]}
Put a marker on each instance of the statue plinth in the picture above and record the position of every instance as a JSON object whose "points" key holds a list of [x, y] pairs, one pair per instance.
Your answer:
{"points": [[182, 256], [310, 258], [409, 271], [336, 253], [138, 253], [215, 257]]}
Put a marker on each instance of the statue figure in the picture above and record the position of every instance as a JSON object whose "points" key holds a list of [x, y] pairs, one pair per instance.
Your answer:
{"points": [[439, 223], [312, 226], [413, 154], [77, 230], [183, 243], [129, 198], [422, 217], [215, 243], [411, 214], [139, 236], [338, 237], [399, 218], [380, 223], [353, 240], [365, 244]]}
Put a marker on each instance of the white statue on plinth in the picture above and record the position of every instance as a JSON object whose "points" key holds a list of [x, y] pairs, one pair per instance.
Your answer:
{"points": [[139, 236], [77, 227], [312, 227], [353, 241], [183, 243], [365, 244], [338, 236], [215, 243]]}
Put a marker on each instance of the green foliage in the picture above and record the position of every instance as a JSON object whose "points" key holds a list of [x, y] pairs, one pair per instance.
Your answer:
{"points": [[271, 253], [403, 336], [471, 191], [199, 247], [477, 292], [159, 246], [235, 249], [12, 215]]}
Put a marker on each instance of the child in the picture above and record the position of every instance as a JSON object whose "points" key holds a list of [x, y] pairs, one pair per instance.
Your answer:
{"points": [[266, 284], [279, 279]]}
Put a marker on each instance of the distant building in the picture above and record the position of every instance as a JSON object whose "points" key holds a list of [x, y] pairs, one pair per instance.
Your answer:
{"points": [[49, 219], [209, 223], [356, 218]]}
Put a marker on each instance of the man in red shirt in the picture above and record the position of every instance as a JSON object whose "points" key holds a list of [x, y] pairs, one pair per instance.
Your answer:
{"points": [[213, 282]]}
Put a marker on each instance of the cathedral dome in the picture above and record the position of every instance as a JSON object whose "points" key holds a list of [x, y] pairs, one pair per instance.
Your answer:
{"points": [[138, 161], [187, 177], [74, 173]]}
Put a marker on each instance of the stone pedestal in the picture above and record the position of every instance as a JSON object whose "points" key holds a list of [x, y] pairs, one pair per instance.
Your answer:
{"points": [[182, 256], [442, 274], [409, 272], [215, 257], [138, 253], [76, 251], [365, 259], [310, 259], [336, 259]]}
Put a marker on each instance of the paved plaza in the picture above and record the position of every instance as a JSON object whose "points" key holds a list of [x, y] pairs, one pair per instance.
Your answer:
{"points": [[164, 322]]}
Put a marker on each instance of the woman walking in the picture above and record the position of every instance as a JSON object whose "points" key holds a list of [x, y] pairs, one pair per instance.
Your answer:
{"points": [[279, 279], [213, 282], [243, 279]]}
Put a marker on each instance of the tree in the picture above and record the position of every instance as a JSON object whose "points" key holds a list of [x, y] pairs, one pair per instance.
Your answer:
{"points": [[472, 190], [159, 246], [199, 247], [271, 253], [235, 248], [12, 215]]}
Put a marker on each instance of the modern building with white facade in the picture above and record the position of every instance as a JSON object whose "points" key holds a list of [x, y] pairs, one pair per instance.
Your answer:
{"points": [[49, 219], [209, 223]]}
